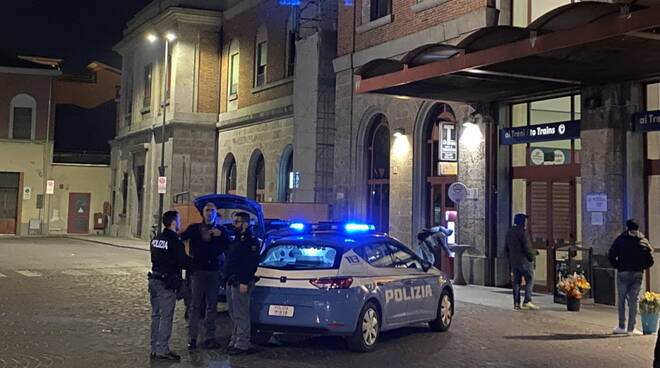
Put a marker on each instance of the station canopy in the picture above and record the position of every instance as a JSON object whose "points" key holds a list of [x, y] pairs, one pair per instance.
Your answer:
{"points": [[585, 43]]}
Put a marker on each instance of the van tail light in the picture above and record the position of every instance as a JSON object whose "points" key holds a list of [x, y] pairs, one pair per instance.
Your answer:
{"points": [[332, 283]]}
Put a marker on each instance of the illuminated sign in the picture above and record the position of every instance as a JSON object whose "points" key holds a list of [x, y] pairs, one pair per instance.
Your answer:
{"points": [[647, 121], [541, 132]]}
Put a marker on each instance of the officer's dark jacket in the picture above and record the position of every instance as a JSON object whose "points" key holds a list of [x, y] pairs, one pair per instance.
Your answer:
{"points": [[168, 254], [205, 253], [242, 258]]}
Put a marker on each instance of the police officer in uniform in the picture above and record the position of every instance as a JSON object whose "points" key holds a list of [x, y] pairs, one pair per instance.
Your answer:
{"points": [[207, 242], [168, 257], [240, 266]]}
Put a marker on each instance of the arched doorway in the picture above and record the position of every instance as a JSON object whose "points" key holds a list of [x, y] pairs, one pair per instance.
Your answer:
{"points": [[378, 173], [229, 174], [257, 177], [437, 169]]}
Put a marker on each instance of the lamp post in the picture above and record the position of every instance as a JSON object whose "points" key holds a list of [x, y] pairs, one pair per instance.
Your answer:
{"points": [[169, 37]]}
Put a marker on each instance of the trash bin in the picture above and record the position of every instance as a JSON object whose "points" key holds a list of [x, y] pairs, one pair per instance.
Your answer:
{"points": [[604, 285]]}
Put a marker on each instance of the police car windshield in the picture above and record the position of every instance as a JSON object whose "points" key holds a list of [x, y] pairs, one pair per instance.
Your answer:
{"points": [[301, 257]]}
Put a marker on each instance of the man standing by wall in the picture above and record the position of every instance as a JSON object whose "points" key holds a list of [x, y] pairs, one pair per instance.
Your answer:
{"points": [[207, 242], [630, 254], [521, 258], [240, 266], [168, 257]]}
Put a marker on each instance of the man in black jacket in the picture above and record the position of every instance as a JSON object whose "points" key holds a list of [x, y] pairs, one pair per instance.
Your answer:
{"points": [[521, 258], [240, 266], [168, 257], [207, 242], [630, 254]]}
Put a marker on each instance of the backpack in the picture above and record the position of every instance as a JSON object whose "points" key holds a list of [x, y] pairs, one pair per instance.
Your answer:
{"points": [[647, 256]]}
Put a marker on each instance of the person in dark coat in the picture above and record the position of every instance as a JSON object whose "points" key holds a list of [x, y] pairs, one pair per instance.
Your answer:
{"points": [[168, 258], [207, 242], [630, 254], [240, 266], [521, 260]]}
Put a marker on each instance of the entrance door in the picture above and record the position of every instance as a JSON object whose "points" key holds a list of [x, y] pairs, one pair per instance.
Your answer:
{"points": [[552, 222], [442, 209], [9, 183], [139, 186], [78, 222]]}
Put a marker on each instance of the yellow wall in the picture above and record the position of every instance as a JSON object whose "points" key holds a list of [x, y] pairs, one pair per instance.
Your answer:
{"points": [[26, 158], [93, 179]]}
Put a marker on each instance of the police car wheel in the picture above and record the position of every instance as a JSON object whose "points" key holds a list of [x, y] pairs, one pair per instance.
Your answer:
{"points": [[366, 334], [445, 313]]}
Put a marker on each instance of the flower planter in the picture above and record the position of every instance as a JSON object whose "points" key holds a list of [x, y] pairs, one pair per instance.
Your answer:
{"points": [[649, 323], [572, 304]]}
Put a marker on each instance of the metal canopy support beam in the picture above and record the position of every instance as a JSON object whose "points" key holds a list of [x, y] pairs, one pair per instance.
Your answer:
{"points": [[646, 35], [521, 76], [602, 29]]}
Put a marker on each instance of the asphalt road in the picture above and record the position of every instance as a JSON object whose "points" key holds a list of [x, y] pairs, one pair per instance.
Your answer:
{"points": [[70, 303]]}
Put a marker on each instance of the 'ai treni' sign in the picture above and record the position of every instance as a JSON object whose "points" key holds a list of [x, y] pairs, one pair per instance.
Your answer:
{"points": [[541, 133], [647, 121]]}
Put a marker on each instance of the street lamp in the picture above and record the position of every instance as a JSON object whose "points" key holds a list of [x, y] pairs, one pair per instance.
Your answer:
{"points": [[168, 37]]}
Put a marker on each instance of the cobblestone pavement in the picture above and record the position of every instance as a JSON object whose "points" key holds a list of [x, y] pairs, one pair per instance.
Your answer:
{"points": [[58, 308]]}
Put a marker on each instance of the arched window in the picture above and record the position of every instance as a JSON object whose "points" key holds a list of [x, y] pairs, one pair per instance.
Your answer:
{"points": [[229, 170], [286, 175], [234, 69], [260, 56], [378, 176], [257, 177], [23, 116]]}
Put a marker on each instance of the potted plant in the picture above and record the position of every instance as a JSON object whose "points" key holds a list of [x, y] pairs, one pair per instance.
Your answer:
{"points": [[649, 305], [573, 286]]}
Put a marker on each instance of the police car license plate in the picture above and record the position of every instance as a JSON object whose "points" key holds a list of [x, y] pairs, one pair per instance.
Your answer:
{"points": [[280, 310]]}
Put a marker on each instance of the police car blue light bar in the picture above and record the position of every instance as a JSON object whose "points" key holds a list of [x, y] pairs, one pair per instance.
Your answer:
{"points": [[297, 226], [353, 227]]}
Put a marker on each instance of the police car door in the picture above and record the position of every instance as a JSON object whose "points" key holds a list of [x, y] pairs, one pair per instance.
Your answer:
{"points": [[389, 281], [421, 289]]}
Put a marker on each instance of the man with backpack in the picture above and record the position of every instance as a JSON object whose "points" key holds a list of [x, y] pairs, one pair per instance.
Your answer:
{"points": [[630, 254]]}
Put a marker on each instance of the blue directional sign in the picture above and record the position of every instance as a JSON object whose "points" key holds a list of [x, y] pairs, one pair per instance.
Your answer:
{"points": [[541, 133], [647, 121]]}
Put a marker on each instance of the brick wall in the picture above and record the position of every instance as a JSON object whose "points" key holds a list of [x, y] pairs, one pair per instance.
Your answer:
{"points": [[244, 28], [209, 70], [404, 21]]}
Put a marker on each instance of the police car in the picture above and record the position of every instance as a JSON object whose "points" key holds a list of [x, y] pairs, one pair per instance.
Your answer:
{"points": [[347, 280]]}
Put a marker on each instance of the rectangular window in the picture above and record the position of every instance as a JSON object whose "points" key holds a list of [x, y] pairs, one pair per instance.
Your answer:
{"points": [[301, 257], [379, 9], [233, 74], [124, 193], [525, 12], [291, 54], [260, 65], [147, 86], [129, 99], [168, 83], [22, 125]]}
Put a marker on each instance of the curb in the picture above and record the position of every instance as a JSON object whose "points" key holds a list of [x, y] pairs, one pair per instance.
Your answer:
{"points": [[107, 243]]}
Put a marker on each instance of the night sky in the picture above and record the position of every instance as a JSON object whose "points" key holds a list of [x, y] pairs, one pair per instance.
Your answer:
{"points": [[74, 30]]}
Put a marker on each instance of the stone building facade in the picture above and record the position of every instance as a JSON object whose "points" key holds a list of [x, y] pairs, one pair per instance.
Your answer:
{"points": [[403, 188], [409, 191], [232, 125]]}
